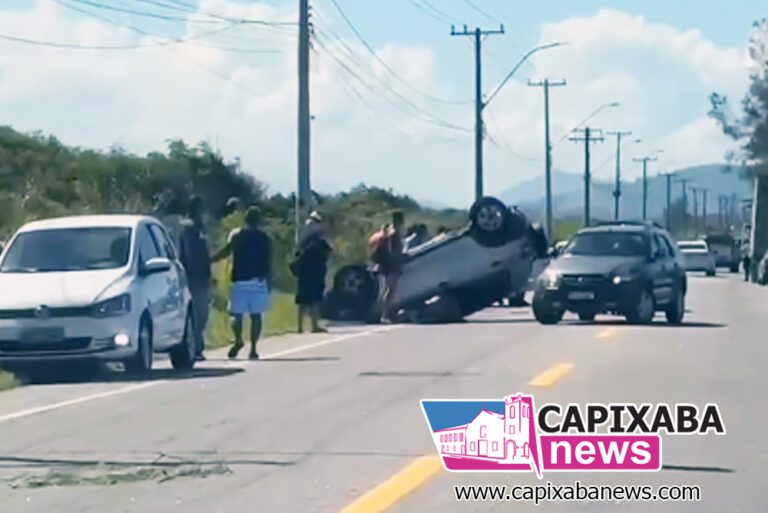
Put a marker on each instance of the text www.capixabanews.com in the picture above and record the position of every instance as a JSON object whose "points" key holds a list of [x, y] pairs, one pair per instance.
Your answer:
{"points": [[550, 492]]}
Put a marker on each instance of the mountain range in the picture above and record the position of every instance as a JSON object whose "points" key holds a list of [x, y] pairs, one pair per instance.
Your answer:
{"points": [[568, 193]]}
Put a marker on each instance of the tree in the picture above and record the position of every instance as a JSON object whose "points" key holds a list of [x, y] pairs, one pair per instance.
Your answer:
{"points": [[751, 128]]}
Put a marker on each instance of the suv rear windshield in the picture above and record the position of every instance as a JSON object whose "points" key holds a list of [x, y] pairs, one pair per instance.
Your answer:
{"points": [[608, 244], [721, 240], [691, 245], [68, 249]]}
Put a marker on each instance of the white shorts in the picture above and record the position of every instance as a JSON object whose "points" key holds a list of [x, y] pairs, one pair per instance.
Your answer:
{"points": [[249, 297]]}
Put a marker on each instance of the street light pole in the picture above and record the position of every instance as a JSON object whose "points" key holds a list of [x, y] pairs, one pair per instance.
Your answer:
{"points": [[617, 188], [546, 84]]}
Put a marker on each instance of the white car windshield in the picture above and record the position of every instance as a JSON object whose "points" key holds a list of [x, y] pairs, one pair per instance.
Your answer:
{"points": [[608, 244], [77, 249]]}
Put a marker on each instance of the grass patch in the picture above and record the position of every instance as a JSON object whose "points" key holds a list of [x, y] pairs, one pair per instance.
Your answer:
{"points": [[279, 320], [7, 381]]}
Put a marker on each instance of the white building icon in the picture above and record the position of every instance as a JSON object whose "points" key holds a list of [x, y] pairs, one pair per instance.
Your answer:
{"points": [[505, 438]]}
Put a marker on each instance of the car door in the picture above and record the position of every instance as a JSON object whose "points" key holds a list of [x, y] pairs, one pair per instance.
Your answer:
{"points": [[665, 270], [676, 262], [175, 283], [155, 288]]}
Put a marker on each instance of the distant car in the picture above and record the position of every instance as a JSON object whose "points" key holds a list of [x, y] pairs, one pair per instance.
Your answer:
{"points": [[453, 274], [697, 256], [94, 289], [629, 269], [725, 249], [762, 270]]}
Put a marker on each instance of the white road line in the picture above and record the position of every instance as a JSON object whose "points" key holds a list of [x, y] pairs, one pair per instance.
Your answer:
{"points": [[79, 400], [314, 345], [141, 386]]}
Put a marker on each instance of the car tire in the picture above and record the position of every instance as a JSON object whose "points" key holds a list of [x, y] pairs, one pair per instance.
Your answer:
{"points": [[676, 310], [545, 313], [643, 309], [490, 221], [587, 316], [355, 292], [711, 273], [141, 362], [183, 354], [734, 268]]}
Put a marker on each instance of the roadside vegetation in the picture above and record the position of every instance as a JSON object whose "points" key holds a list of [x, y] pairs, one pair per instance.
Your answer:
{"points": [[40, 177]]}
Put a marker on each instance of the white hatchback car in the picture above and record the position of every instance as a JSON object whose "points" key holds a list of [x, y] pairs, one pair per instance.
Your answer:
{"points": [[698, 257], [94, 288]]}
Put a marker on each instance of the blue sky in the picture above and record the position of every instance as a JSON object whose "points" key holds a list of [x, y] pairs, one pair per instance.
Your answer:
{"points": [[660, 60]]}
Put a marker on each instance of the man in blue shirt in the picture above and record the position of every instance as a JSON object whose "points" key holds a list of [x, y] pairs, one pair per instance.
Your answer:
{"points": [[251, 252]]}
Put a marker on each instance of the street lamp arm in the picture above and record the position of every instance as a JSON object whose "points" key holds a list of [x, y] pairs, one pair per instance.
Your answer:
{"points": [[517, 66]]}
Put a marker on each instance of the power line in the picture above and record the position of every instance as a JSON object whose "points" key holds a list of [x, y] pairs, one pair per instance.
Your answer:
{"points": [[387, 66], [483, 12], [137, 46], [414, 109], [506, 145], [190, 10], [438, 12], [429, 13], [149, 34]]}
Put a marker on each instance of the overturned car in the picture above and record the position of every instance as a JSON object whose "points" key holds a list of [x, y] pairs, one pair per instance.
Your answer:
{"points": [[451, 275]]}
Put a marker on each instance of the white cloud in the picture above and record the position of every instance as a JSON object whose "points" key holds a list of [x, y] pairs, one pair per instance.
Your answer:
{"points": [[247, 102]]}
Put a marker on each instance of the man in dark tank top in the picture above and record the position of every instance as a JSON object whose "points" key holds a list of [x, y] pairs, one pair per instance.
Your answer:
{"points": [[251, 251]]}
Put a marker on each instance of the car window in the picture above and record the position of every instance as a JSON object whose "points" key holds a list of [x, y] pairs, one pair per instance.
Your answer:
{"points": [[661, 245], [608, 244], [77, 249], [670, 245], [692, 246], [166, 248], [147, 246]]}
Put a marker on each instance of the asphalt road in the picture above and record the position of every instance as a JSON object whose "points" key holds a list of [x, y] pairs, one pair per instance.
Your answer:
{"points": [[321, 423]]}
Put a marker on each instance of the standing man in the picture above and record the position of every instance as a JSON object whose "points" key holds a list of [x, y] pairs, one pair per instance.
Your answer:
{"points": [[251, 251], [310, 266], [392, 264], [196, 258]]}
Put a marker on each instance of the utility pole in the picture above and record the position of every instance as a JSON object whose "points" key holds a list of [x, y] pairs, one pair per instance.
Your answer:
{"points": [[645, 161], [695, 191], [684, 182], [303, 193], [546, 84], [478, 34], [590, 135], [704, 192], [669, 177], [617, 188], [721, 210]]}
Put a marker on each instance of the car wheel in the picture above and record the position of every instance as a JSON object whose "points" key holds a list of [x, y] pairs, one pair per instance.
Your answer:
{"points": [[489, 219], [355, 290], [643, 310], [545, 313], [676, 310], [735, 268], [141, 362], [711, 273], [587, 316], [183, 354]]}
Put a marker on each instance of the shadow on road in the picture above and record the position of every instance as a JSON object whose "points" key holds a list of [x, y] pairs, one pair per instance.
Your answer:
{"points": [[656, 324], [60, 376], [698, 468], [502, 321], [162, 461]]}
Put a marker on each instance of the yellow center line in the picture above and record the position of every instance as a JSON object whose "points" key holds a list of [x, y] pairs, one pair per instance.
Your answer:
{"points": [[552, 375], [394, 489], [607, 333]]}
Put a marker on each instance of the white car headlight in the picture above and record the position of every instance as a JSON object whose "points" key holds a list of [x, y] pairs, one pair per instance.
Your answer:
{"points": [[120, 305], [551, 279]]}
